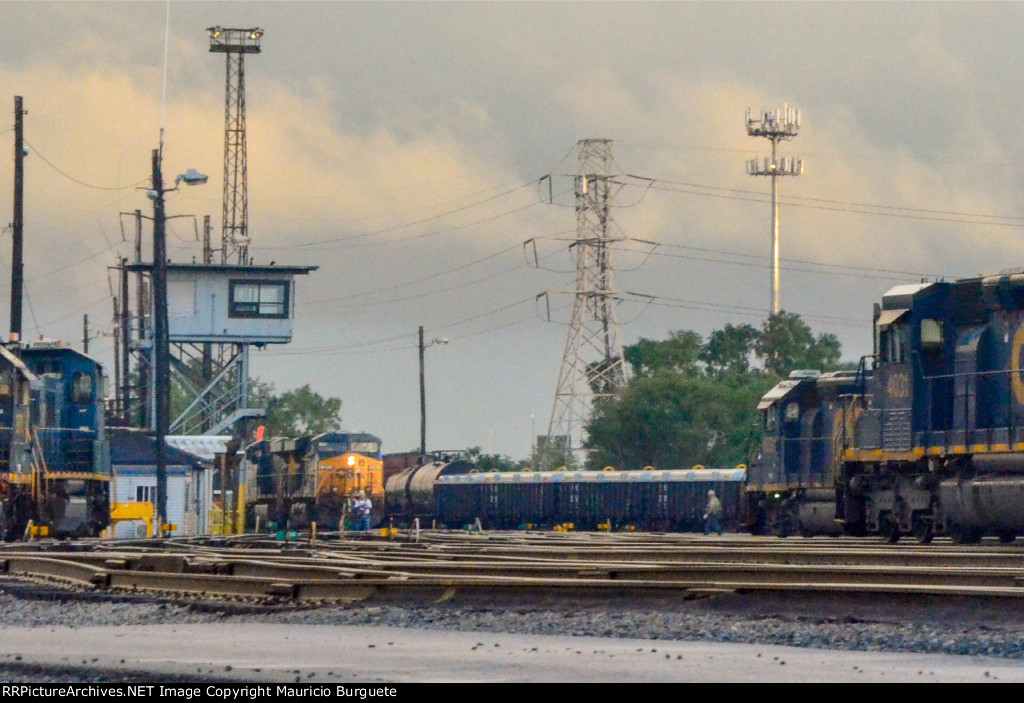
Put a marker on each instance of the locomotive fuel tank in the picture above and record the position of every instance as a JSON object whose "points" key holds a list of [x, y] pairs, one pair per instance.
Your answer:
{"points": [[982, 505]]}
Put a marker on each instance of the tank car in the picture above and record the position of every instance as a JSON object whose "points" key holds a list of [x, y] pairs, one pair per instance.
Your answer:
{"points": [[410, 492], [930, 439], [54, 454]]}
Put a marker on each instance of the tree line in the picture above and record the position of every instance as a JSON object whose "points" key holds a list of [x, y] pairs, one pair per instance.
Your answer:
{"points": [[693, 401]]}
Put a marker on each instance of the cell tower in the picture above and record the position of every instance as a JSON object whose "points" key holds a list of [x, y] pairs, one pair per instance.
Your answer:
{"points": [[235, 43], [778, 125], [592, 364]]}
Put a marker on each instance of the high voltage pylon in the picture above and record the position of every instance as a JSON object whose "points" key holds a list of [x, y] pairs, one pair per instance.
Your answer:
{"points": [[235, 44], [592, 365]]}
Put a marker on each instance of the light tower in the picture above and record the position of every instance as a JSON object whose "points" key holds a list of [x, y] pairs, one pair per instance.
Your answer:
{"points": [[592, 364], [778, 125], [235, 43]]}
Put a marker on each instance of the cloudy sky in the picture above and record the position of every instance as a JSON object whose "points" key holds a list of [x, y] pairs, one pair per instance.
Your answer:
{"points": [[399, 147]]}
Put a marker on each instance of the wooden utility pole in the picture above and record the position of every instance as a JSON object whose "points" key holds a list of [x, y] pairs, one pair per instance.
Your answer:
{"points": [[17, 263]]}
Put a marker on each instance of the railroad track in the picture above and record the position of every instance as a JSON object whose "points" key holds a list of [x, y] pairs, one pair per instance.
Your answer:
{"points": [[438, 566]]}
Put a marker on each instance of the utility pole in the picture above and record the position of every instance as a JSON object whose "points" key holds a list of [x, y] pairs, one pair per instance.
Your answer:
{"points": [[142, 304], [85, 334], [423, 389], [778, 125], [124, 389], [161, 351], [592, 365], [423, 399], [17, 233]]}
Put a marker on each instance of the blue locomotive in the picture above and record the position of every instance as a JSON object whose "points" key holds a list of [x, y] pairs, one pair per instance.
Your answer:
{"points": [[925, 438], [54, 454]]}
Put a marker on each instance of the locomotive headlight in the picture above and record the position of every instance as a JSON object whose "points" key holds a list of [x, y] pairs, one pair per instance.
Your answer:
{"points": [[351, 460]]}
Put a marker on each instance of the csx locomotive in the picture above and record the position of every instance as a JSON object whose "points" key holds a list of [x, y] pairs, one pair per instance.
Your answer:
{"points": [[54, 453], [295, 482], [925, 438]]}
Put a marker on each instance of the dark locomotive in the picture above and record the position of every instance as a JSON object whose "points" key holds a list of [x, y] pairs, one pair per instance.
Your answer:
{"points": [[54, 454], [926, 438]]}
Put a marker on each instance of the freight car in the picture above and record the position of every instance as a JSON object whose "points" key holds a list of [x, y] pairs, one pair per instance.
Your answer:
{"points": [[295, 482], [925, 438], [587, 500], [54, 454]]}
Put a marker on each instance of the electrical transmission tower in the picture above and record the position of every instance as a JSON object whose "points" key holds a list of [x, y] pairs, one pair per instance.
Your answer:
{"points": [[775, 126], [235, 43], [592, 364]]}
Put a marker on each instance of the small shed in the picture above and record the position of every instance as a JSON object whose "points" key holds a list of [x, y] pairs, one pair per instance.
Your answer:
{"points": [[133, 460], [205, 512]]}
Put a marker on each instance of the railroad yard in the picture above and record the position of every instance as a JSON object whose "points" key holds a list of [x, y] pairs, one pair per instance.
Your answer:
{"points": [[675, 595]]}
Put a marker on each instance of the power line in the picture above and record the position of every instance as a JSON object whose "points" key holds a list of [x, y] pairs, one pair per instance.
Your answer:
{"points": [[78, 181], [385, 230], [852, 271], [842, 206]]}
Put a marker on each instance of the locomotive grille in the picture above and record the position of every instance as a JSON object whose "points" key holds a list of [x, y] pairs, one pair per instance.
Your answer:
{"points": [[896, 434]]}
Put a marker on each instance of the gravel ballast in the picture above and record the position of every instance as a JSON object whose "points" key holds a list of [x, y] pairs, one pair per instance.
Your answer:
{"points": [[859, 622]]}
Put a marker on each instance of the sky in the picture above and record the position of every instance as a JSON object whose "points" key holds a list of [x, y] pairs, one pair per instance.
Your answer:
{"points": [[401, 147]]}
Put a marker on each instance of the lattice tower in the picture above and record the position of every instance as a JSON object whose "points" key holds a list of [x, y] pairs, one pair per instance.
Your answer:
{"points": [[235, 44], [592, 365]]}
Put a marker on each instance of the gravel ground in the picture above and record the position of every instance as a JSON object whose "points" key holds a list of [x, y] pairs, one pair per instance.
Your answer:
{"points": [[962, 626]]}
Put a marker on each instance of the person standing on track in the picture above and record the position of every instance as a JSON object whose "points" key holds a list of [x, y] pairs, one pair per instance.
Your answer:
{"points": [[713, 515], [362, 508]]}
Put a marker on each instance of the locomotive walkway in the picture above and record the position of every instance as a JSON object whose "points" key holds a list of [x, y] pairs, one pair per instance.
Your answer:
{"points": [[440, 566]]}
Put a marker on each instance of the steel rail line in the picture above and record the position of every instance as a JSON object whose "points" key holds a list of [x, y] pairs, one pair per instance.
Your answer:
{"points": [[515, 566]]}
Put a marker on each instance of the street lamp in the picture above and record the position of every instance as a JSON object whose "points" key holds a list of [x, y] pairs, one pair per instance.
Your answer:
{"points": [[161, 342], [423, 391]]}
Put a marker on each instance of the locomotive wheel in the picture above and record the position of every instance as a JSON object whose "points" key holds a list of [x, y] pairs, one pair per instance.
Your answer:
{"points": [[1007, 536]]}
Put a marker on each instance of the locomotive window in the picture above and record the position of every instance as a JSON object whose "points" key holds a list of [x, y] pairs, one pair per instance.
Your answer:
{"points": [[5, 384], [267, 299], [792, 412], [81, 388], [366, 447], [931, 334]]}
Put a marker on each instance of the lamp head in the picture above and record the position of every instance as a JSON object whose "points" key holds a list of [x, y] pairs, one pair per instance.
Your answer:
{"points": [[192, 177]]}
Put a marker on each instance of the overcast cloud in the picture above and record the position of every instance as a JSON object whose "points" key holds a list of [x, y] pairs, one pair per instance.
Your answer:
{"points": [[398, 147]]}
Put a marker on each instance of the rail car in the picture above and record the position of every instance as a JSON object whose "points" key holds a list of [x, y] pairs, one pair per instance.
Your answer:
{"points": [[55, 466], [925, 439], [295, 482], [455, 495]]}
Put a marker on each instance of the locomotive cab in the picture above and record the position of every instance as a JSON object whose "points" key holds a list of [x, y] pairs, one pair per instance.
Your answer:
{"points": [[791, 485]]}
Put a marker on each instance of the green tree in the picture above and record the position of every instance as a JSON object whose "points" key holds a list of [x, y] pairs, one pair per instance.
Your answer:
{"points": [[786, 343], [672, 421], [696, 403], [679, 353], [494, 462], [297, 412], [728, 350]]}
